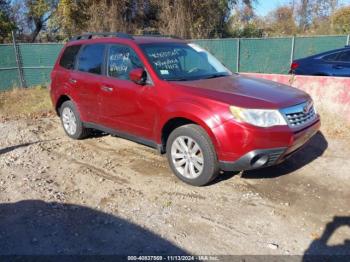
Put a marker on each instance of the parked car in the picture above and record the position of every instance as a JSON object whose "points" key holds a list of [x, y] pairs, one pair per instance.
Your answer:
{"points": [[174, 96], [330, 63]]}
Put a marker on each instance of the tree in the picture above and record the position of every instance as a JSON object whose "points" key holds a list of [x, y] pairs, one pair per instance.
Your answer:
{"points": [[282, 21], [304, 14], [341, 20], [6, 22], [120, 15], [39, 12], [185, 18], [197, 19], [314, 15], [244, 22], [18, 10], [70, 18]]}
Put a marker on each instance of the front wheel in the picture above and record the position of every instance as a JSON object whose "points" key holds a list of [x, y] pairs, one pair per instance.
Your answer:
{"points": [[191, 155]]}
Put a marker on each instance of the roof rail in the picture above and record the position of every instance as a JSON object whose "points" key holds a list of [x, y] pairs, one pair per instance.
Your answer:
{"points": [[101, 34], [159, 35]]}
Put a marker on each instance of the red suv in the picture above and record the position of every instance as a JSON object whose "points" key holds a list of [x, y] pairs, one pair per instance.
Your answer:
{"points": [[174, 96]]}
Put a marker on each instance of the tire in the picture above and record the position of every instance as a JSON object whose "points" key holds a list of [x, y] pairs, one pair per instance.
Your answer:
{"points": [[197, 174], [79, 132]]}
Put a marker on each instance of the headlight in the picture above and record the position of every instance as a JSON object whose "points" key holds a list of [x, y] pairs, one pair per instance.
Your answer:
{"points": [[258, 117]]}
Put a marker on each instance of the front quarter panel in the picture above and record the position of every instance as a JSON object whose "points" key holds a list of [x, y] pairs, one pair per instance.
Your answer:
{"points": [[208, 116]]}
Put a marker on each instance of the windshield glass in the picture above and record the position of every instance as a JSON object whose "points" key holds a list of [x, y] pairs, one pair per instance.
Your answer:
{"points": [[183, 62]]}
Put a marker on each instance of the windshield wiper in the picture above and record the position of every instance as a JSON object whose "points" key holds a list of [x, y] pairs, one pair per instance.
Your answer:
{"points": [[215, 76], [178, 79], [199, 78]]}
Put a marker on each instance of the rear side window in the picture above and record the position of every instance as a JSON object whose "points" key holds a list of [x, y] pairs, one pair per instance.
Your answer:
{"points": [[344, 57], [331, 57], [68, 58], [91, 58]]}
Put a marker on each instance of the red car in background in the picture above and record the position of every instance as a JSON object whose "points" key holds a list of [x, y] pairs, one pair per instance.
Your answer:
{"points": [[176, 97]]}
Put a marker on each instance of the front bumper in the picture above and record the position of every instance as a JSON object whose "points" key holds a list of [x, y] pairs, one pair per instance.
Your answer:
{"points": [[259, 158], [254, 159]]}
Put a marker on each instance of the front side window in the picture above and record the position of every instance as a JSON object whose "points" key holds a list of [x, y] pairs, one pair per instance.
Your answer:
{"points": [[344, 57], [91, 58], [68, 58], [121, 60], [182, 62]]}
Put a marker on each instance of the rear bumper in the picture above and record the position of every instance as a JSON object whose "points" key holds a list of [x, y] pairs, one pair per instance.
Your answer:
{"points": [[259, 158]]}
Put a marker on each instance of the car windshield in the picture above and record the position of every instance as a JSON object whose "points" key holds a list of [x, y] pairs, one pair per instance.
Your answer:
{"points": [[183, 62]]}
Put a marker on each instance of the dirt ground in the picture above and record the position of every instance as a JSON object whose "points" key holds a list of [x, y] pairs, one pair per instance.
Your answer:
{"points": [[106, 195]]}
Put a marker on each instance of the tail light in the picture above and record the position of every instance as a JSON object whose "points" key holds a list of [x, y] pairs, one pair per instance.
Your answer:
{"points": [[294, 66]]}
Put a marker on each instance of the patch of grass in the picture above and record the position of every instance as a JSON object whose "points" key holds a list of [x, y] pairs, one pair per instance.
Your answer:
{"points": [[29, 102], [168, 203]]}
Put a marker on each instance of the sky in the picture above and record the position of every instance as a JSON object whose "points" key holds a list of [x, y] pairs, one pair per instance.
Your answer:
{"points": [[263, 7]]}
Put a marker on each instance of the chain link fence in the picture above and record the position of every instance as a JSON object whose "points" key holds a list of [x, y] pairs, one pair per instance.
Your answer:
{"points": [[25, 65], [269, 55], [8, 67]]}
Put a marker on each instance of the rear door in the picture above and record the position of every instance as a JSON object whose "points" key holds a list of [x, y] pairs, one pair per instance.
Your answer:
{"points": [[87, 79], [125, 105]]}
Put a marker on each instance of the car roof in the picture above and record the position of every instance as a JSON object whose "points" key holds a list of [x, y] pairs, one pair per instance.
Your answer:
{"points": [[334, 51], [149, 39], [123, 38], [326, 53]]}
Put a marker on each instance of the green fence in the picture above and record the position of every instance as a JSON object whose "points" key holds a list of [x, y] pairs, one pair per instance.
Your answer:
{"points": [[259, 55], [8, 67], [37, 60], [224, 49], [269, 55]]}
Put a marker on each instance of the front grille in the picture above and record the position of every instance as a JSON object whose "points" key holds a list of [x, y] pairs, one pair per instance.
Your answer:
{"points": [[299, 115]]}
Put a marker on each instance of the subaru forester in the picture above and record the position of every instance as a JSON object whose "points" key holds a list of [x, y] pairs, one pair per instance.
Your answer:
{"points": [[176, 97]]}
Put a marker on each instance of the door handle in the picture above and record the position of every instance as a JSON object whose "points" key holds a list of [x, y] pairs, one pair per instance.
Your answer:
{"points": [[338, 67], [106, 88], [73, 81]]}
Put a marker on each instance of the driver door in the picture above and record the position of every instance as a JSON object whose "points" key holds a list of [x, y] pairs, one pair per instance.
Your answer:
{"points": [[126, 106], [341, 67]]}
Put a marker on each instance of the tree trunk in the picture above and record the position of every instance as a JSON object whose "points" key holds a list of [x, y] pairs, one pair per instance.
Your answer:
{"points": [[38, 27]]}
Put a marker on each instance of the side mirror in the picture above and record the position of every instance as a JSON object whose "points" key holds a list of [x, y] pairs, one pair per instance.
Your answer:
{"points": [[138, 76]]}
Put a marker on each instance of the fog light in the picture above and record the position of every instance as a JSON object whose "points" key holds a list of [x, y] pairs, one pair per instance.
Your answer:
{"points": [[259, 160]]}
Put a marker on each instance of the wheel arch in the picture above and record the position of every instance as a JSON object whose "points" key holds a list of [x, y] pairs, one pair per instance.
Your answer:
{"points": [[60, 101], [176, 121]]}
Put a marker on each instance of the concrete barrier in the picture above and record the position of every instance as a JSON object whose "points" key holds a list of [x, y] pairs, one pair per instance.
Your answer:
{"points": [[330, 94]]}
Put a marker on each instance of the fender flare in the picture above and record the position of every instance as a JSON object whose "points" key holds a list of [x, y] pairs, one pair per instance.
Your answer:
{"points": [[193, 112]]}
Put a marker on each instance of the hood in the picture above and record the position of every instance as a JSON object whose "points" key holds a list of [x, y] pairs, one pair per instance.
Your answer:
{"points": [[245, 91]]}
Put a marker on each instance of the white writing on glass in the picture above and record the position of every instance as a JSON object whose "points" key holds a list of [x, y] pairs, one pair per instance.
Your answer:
{"points": [[167, 64], [174, 52]]}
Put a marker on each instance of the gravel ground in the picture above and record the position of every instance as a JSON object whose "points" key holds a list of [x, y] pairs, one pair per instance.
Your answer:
{"points": [[106, 195]]}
